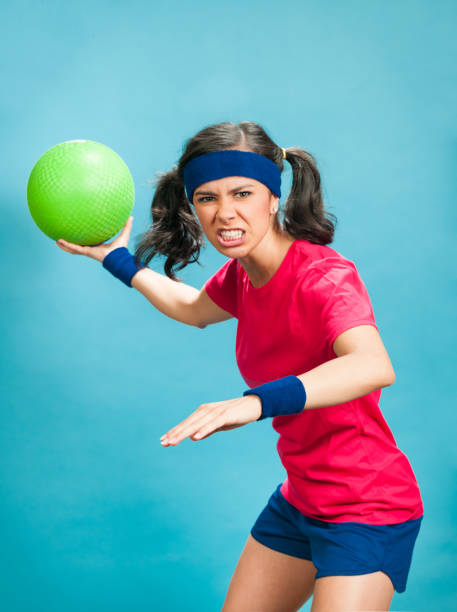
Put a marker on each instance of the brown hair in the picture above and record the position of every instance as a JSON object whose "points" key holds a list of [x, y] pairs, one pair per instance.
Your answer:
{"points": [[176, 232]]}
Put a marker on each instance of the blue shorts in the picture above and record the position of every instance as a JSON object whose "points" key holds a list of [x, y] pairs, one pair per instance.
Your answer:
{"points": [[338, 549]]}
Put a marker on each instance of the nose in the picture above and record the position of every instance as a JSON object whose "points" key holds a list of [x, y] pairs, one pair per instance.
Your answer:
{"points": [[225, 211]]}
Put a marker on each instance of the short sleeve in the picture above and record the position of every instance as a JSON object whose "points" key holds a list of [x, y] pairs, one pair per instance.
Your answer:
{"points": [[340, 297], [222, 287]]}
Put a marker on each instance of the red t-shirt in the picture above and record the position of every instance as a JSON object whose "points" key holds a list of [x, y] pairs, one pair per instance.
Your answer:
{"points": [[342, 461]]}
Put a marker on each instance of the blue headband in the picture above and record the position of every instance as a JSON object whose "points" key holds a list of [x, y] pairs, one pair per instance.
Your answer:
{"points": [[231, 162]]}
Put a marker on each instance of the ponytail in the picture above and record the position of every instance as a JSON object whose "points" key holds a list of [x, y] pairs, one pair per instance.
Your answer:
{"points": [[175, 231], [304, 214]]}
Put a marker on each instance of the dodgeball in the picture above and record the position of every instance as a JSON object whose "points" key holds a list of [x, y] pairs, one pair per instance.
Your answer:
{"points": [[81, 191]]}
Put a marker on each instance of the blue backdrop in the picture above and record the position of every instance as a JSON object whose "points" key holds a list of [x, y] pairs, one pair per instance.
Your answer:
{"points": [[95, 513]]}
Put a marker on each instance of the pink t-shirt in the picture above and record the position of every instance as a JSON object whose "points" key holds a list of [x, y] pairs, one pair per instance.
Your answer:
{"points": [[342, 461]]}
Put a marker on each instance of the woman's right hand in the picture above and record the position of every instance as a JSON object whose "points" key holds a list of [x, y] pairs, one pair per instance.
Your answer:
{"points": [[101, 250]]}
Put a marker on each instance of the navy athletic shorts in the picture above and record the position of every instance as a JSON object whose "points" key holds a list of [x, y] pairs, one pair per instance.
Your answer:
{"points": [[338, 549]]}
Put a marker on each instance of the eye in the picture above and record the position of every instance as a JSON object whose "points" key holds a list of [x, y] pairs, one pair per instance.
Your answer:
{"points": [[204, 198]]}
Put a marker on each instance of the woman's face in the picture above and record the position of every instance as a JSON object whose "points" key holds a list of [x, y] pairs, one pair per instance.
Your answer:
{"points": [[235, 203]]}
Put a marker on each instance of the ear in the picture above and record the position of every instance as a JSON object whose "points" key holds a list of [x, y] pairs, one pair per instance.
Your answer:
{"points": [[274, 204]]}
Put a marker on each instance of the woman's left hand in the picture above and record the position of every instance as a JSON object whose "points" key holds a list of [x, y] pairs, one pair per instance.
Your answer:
{"points": [[215, 416]]}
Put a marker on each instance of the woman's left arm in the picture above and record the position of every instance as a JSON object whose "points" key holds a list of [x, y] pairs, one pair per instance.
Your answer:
{"points": [[362, 366]]}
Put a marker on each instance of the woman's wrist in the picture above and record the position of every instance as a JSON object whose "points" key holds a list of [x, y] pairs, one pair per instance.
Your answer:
{"points": [[256, 405], [122, 265], [283, 396]]}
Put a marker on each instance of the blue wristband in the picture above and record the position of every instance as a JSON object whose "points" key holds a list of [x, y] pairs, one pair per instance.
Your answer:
{"points": [[122, 265], [282, 396]]}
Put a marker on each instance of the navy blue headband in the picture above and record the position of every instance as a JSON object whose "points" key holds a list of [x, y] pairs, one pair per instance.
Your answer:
{"points": [[231, 162]]}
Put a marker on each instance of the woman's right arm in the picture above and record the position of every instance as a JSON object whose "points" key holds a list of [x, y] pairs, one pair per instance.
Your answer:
{"points": [[173, 298], [178, 300]]}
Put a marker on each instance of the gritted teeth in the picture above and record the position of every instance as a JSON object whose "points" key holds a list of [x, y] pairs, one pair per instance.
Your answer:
{"points": [[231, 236], [231, 232]]}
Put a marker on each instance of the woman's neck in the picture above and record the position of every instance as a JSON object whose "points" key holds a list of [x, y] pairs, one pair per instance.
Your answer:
{"points": [[264, 260]]}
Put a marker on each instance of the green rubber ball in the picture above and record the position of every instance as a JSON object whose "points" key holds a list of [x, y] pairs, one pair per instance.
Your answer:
{"points": [[81, 191]]}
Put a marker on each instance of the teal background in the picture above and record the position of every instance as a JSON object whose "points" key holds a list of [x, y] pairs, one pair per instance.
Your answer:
{"points": [[95, 513]]}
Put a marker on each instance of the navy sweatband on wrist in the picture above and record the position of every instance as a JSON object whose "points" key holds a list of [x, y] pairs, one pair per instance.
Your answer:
{"points": [[122, 265], [282, 396]]}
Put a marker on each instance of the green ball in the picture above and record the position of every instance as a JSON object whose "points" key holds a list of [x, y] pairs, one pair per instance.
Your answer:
{"points": [[81, 191]]}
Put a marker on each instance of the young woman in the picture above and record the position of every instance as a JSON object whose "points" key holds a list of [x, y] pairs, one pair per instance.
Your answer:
{"points": [[343, 525]]}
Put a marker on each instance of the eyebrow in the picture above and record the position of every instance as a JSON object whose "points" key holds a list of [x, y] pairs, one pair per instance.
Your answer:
{"points": [[231, 190]]}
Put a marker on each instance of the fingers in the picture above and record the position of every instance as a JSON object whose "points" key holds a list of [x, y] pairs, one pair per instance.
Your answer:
{"points": [[183, 430], [70, 247], [198, 432], [211, 428], [78, 249], [124, 236], [196, 426], [127, 228]]}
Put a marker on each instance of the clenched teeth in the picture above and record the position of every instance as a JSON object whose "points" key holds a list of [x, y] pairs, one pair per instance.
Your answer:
{"points": [[231, 234]]}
